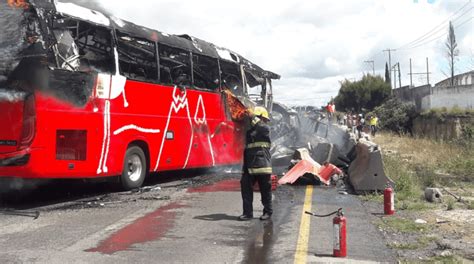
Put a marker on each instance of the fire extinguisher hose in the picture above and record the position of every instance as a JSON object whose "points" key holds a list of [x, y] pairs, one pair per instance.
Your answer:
{"points": [[338, 211]]}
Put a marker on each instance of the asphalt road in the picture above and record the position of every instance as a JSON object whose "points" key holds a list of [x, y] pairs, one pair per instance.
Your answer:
{"points": [[191, 220]]}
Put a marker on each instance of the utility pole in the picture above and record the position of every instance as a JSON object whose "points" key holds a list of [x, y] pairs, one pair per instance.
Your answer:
{"points": [[373, 66], [395, 75], [411, 75], [427, 72], [399, 78], [390, 60]]}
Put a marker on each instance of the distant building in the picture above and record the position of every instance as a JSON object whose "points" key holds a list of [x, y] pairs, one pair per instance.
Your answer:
{"points": [[462, 79], [425, 97]]}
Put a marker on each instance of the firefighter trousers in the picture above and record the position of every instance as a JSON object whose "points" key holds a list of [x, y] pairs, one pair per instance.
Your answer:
{"points": [[246, 187]]}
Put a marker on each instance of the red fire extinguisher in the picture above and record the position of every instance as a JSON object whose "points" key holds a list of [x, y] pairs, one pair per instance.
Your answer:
{"points": [[274, 180], [339, 228], [388, 201]]}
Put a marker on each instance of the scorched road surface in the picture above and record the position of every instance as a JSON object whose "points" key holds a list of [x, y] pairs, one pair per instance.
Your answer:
{"points": [[187, 221]]}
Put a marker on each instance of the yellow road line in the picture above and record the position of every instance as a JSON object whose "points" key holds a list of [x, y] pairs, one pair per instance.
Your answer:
{"points": [[303, 237]]}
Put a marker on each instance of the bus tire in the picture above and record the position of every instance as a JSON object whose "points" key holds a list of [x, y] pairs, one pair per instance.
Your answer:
{"points": [[134, 168]]}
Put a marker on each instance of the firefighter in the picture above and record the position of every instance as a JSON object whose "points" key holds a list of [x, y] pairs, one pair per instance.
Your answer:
{"points": [[257, 165]]}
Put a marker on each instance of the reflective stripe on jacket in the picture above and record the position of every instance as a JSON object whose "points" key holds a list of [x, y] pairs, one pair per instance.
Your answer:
{"points": [[266, 170], [257, 158], [258, 145]]}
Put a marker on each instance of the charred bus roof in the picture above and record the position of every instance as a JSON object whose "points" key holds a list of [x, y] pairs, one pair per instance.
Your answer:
{"points": [[185, 42]]}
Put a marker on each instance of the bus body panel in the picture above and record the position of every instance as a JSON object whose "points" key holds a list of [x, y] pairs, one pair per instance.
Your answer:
{"points": [[11, 119], [183, 128]]}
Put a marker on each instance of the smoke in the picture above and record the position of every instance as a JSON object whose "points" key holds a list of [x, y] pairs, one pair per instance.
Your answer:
{"points": [[11, 96], [91, 4], [12, 38], [19, 186]]}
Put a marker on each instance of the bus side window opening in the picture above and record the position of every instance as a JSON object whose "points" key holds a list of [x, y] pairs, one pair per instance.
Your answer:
{"points": [[255, 85], [206, 72], [175, 66], [80, 50], [230, 75], [93, 44], [137, 58]]}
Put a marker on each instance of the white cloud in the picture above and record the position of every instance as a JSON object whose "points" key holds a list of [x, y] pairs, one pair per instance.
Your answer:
{"points": [[311, 44]]}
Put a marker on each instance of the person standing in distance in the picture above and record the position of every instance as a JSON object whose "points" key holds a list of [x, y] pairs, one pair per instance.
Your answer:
{"points": [[257, 165], [373, 124]]}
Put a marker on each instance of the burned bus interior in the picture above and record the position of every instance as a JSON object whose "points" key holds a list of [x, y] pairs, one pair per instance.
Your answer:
{"points": [[64, 53], [137, 58]]}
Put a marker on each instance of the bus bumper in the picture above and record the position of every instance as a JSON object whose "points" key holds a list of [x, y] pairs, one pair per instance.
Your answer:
{"points": [[22, 164], [40, 163]]}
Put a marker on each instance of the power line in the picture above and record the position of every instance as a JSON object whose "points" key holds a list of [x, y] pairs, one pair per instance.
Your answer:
{"points": [[436, 27], [438, 36], [433, 31], [426, 42], [439, 30], [467, 20], [423, 40]]}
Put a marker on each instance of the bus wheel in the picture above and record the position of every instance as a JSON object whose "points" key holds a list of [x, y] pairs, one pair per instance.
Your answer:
{"points": [[134, 168]]}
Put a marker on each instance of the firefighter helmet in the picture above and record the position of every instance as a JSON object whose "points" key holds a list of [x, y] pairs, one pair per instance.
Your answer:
{"points": [[261, 112]]}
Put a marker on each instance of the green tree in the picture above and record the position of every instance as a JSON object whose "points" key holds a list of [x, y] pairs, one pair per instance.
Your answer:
{"points": [[367, 93], [387, 74], [396, 116], [452, 50]]}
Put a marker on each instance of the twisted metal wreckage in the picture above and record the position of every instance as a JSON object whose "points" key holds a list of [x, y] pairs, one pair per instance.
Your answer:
{"points": [[313, 140]]}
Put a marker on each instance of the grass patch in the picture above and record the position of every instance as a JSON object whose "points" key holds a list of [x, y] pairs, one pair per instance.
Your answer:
{"points": [[422, 242], [470, 205], [462, 166], [374, 197], [442, 114], [445, 260], [406, 186], [404, 246], [416, 163], [414, 205], [426, 240], [403, 225], [450, 204]]}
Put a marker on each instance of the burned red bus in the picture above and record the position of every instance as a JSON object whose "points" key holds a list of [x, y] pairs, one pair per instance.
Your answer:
{"points": [[85, 95]]}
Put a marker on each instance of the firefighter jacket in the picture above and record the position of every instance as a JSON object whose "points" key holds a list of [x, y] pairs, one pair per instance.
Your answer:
{"points": [[257, 158]]}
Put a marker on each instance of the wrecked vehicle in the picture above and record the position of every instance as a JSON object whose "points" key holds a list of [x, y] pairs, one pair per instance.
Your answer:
{"points": [[285, 136], [319, 141], [85, 95]]}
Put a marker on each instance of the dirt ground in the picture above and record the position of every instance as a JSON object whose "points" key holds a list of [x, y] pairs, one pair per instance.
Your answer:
{"points": [[444, 237], [429, 232]]}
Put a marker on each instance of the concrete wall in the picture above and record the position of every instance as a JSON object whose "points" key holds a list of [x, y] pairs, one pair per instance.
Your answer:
{"points": [[413, 95], [449, 97], [445, 129], [442, 95], [427, 97]]}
